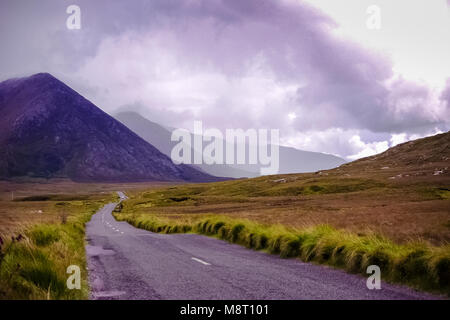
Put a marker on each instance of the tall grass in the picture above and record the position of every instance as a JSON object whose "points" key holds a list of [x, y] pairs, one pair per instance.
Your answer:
{"points": [[416, 264], [33, 265]]}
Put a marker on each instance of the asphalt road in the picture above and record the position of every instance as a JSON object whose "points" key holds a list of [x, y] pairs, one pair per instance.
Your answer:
{"points": [[129, 263]]}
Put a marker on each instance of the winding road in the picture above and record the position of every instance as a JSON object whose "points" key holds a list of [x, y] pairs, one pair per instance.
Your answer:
{"points": [[129, 263]]}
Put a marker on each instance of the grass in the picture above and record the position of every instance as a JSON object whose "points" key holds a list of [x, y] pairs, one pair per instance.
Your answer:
{"points": [[402, 211], [416, 264], [42, 232], [23, 205], [33, 265], [54, 197], [258, 187], [36, 248]]}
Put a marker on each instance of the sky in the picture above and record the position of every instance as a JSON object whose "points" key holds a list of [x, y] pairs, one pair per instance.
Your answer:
{"points": [[316, 69]]}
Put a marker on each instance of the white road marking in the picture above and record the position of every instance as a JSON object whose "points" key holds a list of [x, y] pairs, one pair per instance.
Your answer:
{"points": [[201, 261]]}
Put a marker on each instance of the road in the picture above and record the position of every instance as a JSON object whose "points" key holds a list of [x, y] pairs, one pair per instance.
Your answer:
{"points": [[129, 263]]}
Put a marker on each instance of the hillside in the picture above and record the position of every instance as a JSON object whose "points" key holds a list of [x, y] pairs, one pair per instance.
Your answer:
{"points": [[48, 130], [422, 157]]}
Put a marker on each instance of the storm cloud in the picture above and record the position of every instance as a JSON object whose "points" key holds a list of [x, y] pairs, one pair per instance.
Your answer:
{"points": [[230, 63]]}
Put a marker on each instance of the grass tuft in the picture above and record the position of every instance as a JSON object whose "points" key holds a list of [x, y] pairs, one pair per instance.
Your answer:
{"points": [[44, 235]]}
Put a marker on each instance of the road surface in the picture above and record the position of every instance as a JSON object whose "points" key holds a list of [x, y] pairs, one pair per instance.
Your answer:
{"points": [[129, 263]]}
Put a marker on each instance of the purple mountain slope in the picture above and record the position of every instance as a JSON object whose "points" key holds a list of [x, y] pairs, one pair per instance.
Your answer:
{"points": [[49, 130]]}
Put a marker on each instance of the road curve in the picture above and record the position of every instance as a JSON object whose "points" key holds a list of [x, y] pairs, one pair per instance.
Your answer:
{"points": [[129, 263]]}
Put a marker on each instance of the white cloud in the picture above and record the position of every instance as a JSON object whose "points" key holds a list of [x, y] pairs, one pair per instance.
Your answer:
{"points": [[367, 149], [348, 144], [403, 137], [398, 138], [344, 143]]}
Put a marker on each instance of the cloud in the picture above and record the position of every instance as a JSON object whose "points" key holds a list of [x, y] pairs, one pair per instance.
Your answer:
{"points": [[230, 63], [398, 138], [445, 96], [367, 149], [340, 142], [260, 62], [350, 144]]}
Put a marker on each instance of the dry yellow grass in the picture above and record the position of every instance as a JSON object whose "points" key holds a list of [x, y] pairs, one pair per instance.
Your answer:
{"points": [[15, 216], [406, 210]]}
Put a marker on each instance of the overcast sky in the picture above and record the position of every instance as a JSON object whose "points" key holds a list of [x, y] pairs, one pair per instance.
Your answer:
{"points": [[312, 69]]}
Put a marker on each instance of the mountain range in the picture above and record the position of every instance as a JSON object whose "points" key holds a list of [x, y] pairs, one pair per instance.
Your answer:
{"points": [[48, 130], [291, 160]]}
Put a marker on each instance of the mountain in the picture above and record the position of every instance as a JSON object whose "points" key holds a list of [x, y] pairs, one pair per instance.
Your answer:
{"points": [[291, 160], [159, 137], [49, 130], [297, 161]]}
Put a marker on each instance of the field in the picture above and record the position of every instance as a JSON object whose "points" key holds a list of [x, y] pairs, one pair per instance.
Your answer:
{"points": [[23, 204], [42, 233], [400, 211]]}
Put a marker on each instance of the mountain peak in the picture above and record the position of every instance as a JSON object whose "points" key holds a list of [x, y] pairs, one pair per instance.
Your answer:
{"points": [[41, 75]]}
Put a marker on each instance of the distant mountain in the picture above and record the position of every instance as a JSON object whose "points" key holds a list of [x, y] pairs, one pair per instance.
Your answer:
{"points": [[159, 137], [291, 160], [49, 130], [296, 161]]}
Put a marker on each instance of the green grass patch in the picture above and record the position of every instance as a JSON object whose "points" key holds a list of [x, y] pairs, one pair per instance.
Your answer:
{"points": [[33, 264], [433, 193], [44, 235], [54, 197], [239, 190], [443, 193]]}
